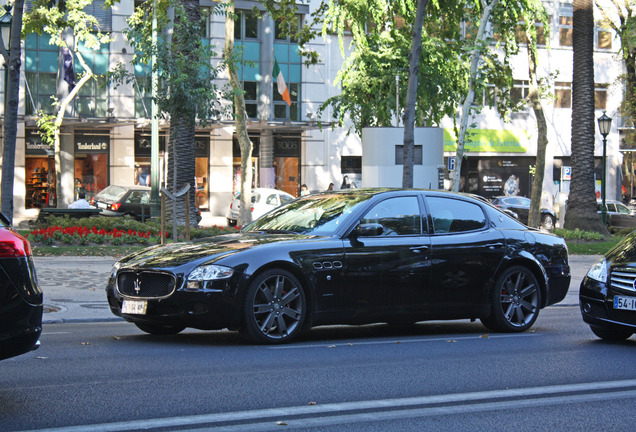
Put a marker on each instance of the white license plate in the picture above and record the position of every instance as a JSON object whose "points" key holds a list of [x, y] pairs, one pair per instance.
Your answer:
{"points": [[101, 205], [626, 303], [134, 307]]}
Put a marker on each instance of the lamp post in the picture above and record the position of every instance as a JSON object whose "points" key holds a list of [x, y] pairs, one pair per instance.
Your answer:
{"points": [[604, 124], [5, 28]]}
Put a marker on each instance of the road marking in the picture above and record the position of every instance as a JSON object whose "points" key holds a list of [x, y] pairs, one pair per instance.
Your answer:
{"points": [[383, 409], [403, 341]]}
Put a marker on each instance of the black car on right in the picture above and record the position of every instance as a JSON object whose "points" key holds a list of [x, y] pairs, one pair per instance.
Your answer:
{"points": [[608, 292], [521, 207]]}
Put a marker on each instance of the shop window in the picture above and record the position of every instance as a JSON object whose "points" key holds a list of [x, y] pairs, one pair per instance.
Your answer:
{"points": [[565, 25], [40, 182], [563, 94], [399, 155]]}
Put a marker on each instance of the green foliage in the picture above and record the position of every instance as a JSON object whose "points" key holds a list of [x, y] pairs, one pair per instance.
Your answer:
{"points": [[578, 234]]}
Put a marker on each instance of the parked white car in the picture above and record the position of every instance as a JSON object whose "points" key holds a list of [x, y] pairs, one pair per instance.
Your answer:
{"points": [[263, 200]]}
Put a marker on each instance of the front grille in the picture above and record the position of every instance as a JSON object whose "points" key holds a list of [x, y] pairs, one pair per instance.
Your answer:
{"points": [[145, 284], [623, 279]]}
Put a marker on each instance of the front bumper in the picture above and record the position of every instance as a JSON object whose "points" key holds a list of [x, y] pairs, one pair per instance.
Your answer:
{"points": [[596, 301]]}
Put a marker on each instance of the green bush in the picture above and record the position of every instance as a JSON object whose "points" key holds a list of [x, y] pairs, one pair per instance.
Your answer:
{"points": [[578, 234]]}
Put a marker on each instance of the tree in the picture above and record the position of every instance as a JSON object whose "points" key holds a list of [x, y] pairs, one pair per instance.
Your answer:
{"points": [[13, 63], [187, 94], [55, 20], [581, 206], [240, 115]]}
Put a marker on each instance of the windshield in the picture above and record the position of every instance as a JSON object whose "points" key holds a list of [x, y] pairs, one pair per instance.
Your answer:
{"points": [[317, 214]]}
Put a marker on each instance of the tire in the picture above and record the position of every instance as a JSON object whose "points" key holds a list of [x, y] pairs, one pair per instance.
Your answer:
{"points": [[547, 222], [155, 329], [274, 309], [231, 222], [611, 333], [515, 301]]}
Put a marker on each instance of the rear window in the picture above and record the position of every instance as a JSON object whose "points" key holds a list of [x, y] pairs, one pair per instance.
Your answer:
{"points": [[111, 193], [452, 215]]}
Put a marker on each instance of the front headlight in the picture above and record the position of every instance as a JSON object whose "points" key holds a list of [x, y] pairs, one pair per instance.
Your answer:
{"points": [[598, 271], [210, 272]]}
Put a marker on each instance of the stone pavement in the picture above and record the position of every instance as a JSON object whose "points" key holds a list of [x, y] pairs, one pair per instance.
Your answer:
{"points": [[74, 287]]}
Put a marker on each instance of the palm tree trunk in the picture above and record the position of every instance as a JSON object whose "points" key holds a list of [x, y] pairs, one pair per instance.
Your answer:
{"points": [[581, 210]]}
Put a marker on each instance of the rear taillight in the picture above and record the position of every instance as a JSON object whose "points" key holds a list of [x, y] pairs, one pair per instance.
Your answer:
{"points": [[252, 209], [93, 201], [115, 206], [13, 245]]}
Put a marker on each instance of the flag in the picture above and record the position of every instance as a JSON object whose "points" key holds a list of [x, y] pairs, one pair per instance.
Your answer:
{"points": [[68, 73], [282, 87]]}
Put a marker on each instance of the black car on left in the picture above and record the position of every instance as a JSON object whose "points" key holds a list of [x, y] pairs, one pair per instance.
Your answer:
{"points": [[20, 296], [354, 256]]}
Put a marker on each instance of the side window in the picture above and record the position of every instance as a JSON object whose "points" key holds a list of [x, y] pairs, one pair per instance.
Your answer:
{"points": [[452, 215], [272, 200], [285, 199], [134, 198], [396, 216], [145, 198]]}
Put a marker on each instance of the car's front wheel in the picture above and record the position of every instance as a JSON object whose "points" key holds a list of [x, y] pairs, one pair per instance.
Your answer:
{"points": [[515, 301], [155, 329], [275, 307], [611, 333]]}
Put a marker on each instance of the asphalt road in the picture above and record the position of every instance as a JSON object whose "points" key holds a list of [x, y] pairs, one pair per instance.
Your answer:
{"points": [[442, 376]]}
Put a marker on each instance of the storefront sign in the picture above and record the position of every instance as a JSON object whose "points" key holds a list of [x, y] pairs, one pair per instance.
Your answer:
{"points": [[35, 147], [287, 147], [92, 144], [488, 140], [202, 147]]}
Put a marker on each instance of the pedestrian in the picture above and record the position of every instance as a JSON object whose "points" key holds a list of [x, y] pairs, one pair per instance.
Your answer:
{"points": [[303, 190], [80, 203], [330, 187], [346, 184]]}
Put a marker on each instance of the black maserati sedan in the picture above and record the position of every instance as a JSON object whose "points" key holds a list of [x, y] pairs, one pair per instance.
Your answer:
{"points": [[607, 296], [20, 296], [354, 256]]}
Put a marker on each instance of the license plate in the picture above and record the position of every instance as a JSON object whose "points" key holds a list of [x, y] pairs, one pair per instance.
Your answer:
{"points": [[626, 303], [134, 307], [101, 205]]}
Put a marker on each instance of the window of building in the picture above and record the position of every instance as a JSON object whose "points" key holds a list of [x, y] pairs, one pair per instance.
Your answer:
{"points": [[603, 35], [246, 25], [565, 25], [205, 12], [520, 92], [40, 69], [522, 37], [399, 155], [600, 96], [563, 94], [287, 55], [92, 99]]}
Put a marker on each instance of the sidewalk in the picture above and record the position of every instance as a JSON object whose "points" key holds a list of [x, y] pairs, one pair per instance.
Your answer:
{"points": [[74, 287]]}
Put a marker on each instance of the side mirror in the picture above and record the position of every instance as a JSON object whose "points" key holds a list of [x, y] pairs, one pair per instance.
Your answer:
{"points": [[368, 230]]}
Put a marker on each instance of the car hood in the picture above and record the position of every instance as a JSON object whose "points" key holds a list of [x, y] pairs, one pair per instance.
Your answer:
{"points": [[624, 252], [203, 250]]}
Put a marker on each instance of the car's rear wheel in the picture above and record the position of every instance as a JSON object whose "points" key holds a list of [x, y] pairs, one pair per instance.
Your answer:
{"points": [[231, 222], [516, 300], [547, 222], [611, 333], [156, 329], [275, 308]]}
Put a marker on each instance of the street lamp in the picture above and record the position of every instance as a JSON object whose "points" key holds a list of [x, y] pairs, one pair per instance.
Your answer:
{"points": [[5, 28], [604, 124]]}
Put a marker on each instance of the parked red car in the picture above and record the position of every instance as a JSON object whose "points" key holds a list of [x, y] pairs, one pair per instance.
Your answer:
{"points": [[20, 296]]}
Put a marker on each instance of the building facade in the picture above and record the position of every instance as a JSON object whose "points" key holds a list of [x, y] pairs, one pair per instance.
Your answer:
{"points": [[106, 138]]}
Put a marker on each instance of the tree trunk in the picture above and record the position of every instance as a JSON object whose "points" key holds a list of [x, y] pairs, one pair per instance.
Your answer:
{"points": [[245, 212], [470, 97], [534, 217], [581, 209], [11, 111], [411, 95]]}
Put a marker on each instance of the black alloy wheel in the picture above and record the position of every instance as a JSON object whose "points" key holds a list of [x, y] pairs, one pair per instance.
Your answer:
{"points": [[155, 329], [275, 308], [515, 302], [547, 222], [611, 333]]}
